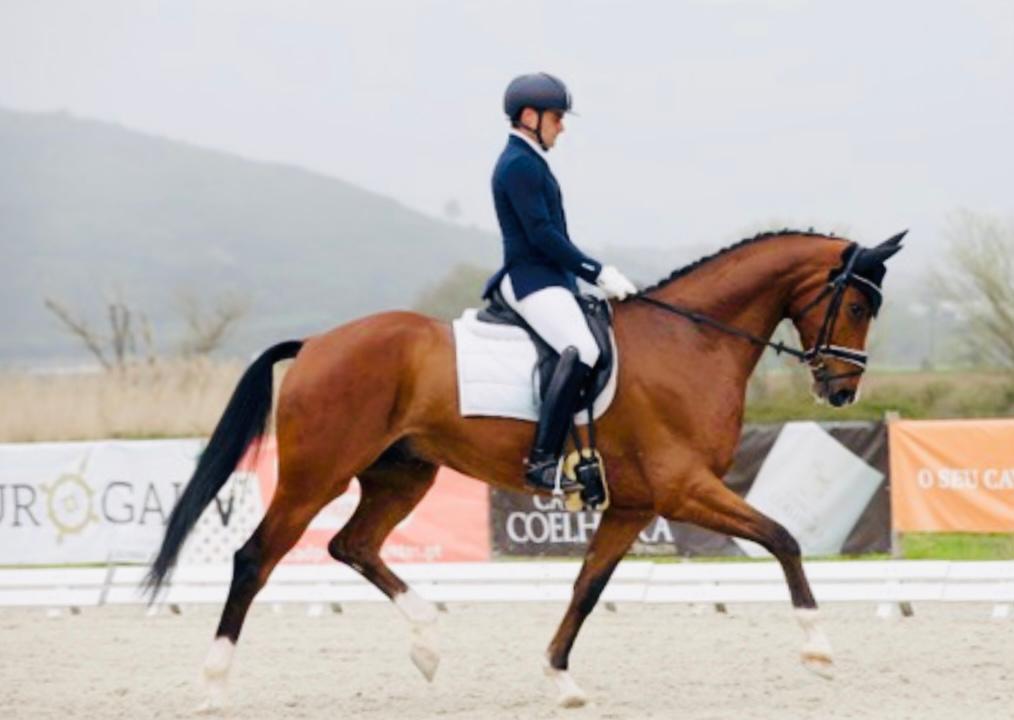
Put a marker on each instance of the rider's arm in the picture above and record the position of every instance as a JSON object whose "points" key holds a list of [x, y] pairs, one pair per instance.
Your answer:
{"points": [[523, 183]]}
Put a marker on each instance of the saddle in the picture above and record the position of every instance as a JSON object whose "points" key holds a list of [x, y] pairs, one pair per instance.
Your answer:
{"points": [[597, 313]]}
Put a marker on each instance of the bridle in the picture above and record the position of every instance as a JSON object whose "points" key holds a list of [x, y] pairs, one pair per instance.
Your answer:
{"points": [[822, 347]]}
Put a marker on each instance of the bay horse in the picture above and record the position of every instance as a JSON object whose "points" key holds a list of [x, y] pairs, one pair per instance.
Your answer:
{"points": [[376, 399]]}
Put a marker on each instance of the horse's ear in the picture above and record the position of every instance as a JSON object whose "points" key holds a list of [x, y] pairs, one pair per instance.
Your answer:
{"points": [[894, 240], [886, 249]]}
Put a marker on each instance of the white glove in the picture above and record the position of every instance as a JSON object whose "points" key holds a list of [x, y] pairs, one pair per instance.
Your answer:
{"points": [[614, 283]]}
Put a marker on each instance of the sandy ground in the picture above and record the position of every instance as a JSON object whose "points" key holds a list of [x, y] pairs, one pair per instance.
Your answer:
{"points": [[949, 661]]}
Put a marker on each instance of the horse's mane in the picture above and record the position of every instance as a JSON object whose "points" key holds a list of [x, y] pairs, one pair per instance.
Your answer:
{"points": [[766, 235]]}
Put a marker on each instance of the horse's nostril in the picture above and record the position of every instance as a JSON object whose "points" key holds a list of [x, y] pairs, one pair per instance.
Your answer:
{"points": [[842, 397]]}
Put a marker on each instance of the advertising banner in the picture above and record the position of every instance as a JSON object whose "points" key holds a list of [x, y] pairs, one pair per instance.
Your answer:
{"points": [[101, 501], [814, 486], [952, 475], [87, 502]]}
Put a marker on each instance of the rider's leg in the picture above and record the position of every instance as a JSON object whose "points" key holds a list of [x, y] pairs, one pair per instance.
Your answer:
{"points": [[554, 314], [555, 418]]}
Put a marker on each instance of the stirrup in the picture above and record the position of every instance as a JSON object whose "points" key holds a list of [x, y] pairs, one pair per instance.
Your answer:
{"points": [[548, 475]]}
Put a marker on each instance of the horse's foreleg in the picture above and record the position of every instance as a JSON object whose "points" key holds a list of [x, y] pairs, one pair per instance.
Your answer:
{"points": [[615, 533], [710, 504], [390, 490]]}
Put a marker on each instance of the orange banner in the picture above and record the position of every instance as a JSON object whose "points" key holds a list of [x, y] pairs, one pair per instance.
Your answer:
{"points": [[952, 475], [451, 524]]}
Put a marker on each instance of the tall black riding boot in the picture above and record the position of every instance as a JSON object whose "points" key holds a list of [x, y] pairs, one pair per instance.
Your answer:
{"points": [[555, 417]]}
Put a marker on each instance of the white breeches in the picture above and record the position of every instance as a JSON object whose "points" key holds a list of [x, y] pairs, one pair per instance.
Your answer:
{"points": [[554, 314]]}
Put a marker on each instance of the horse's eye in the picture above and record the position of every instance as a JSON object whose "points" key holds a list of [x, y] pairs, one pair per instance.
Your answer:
{"points": [[857, 311]]}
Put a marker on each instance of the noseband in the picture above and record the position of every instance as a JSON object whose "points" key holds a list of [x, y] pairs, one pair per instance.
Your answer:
{"points": [[822, 348]]}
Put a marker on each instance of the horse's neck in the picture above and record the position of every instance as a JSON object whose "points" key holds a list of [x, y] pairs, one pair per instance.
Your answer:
{"points": [[747, 288]]}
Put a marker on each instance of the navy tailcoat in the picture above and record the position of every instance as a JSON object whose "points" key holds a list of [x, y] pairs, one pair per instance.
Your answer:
{"points": [[537, 251]]}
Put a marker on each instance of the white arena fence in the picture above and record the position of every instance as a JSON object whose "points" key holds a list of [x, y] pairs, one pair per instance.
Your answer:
{"points": [[894, 584]]}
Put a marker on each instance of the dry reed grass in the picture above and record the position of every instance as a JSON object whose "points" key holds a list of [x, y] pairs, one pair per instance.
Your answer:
{"points": [[166, 399], [185, 399]]}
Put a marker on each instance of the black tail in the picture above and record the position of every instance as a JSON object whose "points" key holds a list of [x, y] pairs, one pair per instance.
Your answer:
{"points": [[244, 419]]}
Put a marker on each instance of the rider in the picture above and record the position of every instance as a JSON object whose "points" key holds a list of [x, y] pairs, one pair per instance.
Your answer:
{"points": [[540, 261]]}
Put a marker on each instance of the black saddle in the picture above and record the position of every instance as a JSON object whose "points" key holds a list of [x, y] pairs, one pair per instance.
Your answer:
{"points": [[599, 316]]}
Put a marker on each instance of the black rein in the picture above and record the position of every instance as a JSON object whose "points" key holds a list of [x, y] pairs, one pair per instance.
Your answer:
{"points": [[821, 348]]}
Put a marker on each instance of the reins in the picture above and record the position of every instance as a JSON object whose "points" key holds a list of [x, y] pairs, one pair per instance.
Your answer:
{"points": [[821, 348], [702, 319]]}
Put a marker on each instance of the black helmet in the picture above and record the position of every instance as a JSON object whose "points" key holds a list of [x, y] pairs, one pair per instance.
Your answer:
{"points": [[539, 91]]}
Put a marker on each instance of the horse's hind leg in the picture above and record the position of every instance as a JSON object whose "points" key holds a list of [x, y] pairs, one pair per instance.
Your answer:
{"points": [[710, 504], [391, 487], [613, 537], [297, 499]]}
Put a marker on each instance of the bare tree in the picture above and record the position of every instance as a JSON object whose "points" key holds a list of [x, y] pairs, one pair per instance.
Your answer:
{"points": [[130, 339], [80, 328], [208, 327], [979, 280], [115, 349]]}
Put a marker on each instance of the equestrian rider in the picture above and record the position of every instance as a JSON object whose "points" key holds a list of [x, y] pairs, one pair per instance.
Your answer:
{"points": [[540, 261]]}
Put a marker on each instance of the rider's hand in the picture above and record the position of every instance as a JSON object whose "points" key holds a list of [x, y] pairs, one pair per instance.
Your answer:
{"points": [[614, 283]]}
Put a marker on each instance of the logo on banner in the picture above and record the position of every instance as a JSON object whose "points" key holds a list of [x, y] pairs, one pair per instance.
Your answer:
{"points": [[534, 525], [967, 478], [70, 503]]}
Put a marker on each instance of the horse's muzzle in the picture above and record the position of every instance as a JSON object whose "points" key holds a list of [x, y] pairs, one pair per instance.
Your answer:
{"points": [[839, 389], [840, 398]]}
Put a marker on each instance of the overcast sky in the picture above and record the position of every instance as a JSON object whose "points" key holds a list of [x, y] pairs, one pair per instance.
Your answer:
{"points": [[700, 122]]}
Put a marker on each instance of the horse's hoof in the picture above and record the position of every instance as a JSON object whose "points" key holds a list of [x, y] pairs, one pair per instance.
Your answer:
{"points": [[426, 659], [216, 677], [210, 707], [570, 695], [572, 700], [820, 665], [216, 700]]}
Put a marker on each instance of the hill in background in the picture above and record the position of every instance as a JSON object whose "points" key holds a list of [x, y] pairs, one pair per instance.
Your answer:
{"points": [[89, 209]]}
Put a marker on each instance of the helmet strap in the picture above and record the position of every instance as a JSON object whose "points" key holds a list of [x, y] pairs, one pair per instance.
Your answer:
{"points": [[537, 130]]}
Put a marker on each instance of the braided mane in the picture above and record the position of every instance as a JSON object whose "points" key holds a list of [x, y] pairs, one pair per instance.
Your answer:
{"points": [[767, 235]]}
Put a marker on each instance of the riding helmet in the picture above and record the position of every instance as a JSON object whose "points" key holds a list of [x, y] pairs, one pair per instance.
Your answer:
{"points": [[539, 91]]}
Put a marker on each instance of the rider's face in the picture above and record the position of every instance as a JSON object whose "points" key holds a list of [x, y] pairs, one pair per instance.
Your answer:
{"points": [[552, 124]]}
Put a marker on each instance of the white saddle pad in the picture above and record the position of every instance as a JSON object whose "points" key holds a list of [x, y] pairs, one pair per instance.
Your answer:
{"points": [[497, 376]]}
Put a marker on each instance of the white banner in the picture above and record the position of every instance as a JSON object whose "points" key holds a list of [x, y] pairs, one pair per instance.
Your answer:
{"points": [[814, 486], [89, 502]]}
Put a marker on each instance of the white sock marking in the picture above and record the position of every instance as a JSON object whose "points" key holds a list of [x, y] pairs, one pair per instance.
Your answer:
{"points": [[416, 609], [422, 615], [570, 695], [216, 674], [816, 653]]}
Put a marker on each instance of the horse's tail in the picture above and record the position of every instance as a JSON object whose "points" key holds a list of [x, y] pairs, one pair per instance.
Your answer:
{"points": [[244, 419]]}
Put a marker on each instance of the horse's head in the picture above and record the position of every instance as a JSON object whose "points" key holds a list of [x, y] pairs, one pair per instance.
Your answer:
{"points": [[834, 319]]}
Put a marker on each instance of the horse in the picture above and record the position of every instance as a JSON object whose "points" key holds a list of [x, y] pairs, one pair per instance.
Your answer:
{"points": [[376, 399]]}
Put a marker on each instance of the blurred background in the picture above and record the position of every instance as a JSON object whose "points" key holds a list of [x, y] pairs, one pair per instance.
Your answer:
{"points": [[184, 183]]}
